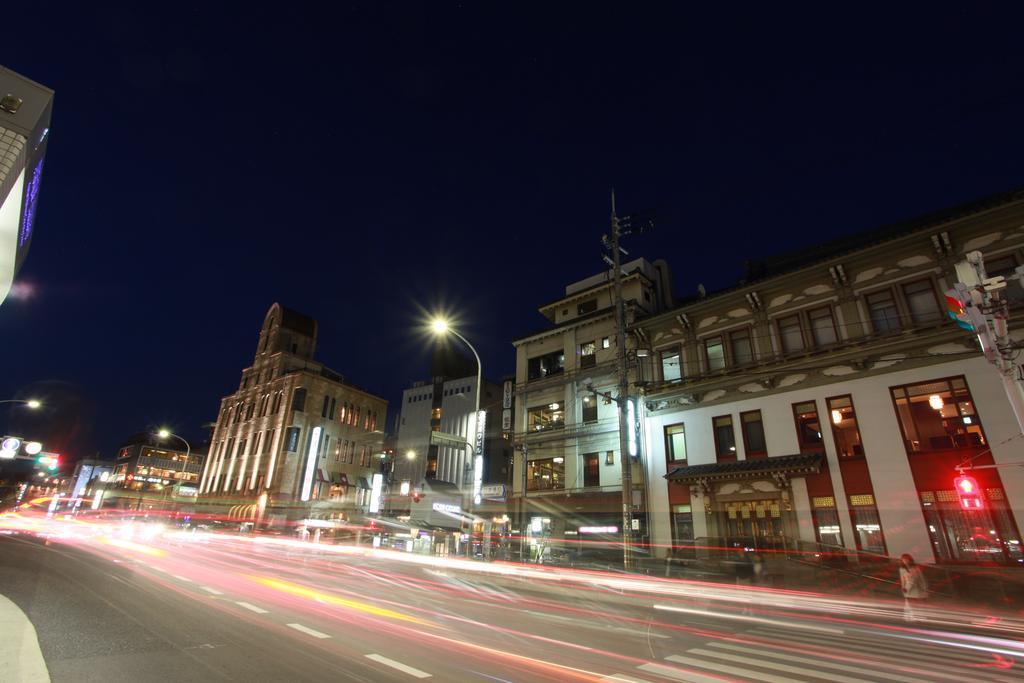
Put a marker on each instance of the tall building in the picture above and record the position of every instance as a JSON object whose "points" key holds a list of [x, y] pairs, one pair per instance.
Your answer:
{"points": [[828, 400], [149, 466], [295, 441], [25, 109], [572, 477]]}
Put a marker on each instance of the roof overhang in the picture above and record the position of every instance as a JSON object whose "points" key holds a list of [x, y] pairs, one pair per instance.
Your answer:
{"points": [[761, 468]]}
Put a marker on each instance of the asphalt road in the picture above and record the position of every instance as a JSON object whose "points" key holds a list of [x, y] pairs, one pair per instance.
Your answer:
{"points": [[113, 605]]}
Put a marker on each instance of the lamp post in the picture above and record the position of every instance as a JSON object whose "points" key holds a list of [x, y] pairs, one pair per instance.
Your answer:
{"points": [[166, 434], [29, 402]]}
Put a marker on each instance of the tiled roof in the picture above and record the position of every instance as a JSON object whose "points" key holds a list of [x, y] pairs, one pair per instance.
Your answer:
{"points": [[802, 463]]}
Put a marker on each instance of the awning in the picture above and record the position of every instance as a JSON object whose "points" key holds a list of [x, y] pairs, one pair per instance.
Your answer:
{"points": [[800, 464]]}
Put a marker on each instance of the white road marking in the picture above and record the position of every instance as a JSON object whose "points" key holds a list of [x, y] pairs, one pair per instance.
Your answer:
{"points": [[820, 663], [252, 608], [765, 664], [404, 668], [619, 678], [308, 631], [678, 674], [745, 617], [212, 591], [747, 674], [182, 578]]}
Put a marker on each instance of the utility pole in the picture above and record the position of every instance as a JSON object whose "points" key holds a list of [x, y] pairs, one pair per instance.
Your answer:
{"points": [[984, 311], [623, 399]]}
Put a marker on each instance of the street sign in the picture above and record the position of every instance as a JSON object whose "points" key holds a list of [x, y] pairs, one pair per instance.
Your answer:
{"points": [[444, 439], [493, 491]]}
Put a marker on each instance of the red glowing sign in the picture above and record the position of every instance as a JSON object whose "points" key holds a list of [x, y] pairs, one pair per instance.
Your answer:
{"points": [[969, 493]]}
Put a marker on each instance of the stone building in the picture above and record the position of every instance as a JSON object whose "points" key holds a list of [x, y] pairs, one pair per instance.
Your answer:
{"points": [[827, 400], [295, 442], [572, 477]]}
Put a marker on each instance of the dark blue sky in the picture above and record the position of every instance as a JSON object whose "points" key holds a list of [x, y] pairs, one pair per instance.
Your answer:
{"points": [[367, 163]]}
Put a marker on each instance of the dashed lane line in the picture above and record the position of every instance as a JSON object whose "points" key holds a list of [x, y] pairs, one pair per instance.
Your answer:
{"points": [[308, 631], [405, 668], [756, 620], [211, 591], [252, 608], [182, 578]]}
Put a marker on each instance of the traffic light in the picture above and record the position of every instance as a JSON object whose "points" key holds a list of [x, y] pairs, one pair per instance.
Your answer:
{"points": [[957, 310], [962, 306], [969, 493], [50, 461]]}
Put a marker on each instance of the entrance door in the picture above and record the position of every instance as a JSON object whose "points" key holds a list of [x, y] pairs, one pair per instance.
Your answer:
{"points": [[759, 520]]}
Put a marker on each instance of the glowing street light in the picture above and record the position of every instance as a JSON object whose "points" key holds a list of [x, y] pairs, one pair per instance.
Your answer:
{"points": [[410, 455], [165, 433], [29, 402]]}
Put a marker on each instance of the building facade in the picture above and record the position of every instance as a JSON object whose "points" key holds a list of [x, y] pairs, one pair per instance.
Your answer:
{"points": [[828, 401], [147, 464], [567, 478], [295, 442], [25, 109]]}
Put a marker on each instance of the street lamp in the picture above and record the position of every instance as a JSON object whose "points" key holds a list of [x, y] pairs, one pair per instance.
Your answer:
{"points": [[166, 434], [30, 402], [441, 327]]}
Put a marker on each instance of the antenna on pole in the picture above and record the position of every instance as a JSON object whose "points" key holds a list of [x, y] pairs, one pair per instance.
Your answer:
{"points": [[613, 202]]}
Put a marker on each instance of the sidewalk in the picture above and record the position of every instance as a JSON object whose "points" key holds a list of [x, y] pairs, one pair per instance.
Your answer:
{"points": [[20, 657]]}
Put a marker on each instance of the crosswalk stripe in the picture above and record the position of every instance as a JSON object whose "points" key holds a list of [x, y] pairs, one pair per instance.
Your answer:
{"points": [[734, 670], [750, 618], [775, 666], [308, 631], [892, 657], [821, 663], [881, 648], [678, 674]]}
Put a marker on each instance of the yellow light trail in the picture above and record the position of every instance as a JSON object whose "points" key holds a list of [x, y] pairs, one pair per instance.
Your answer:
{"points": [[313, 594]]}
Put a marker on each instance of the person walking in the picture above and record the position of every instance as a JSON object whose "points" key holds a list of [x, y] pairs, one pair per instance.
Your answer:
{"points": [[913, 585]]}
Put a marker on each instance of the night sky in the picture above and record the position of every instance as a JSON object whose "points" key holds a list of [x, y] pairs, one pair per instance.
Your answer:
{"points": [[369, 164]]}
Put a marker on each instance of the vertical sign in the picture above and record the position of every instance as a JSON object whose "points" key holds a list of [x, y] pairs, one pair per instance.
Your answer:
{"points": [[311, 459], [506, 408], [478, 450], [631, 414], [378, 484]]}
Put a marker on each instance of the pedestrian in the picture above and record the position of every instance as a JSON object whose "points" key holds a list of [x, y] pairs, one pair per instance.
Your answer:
{"points": [[913, 585]]}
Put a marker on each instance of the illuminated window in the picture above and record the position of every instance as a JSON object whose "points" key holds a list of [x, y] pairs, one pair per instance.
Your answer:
{"points": [[589, 411], [671, 366], [867, 526], [591, 469], [714, 352], [544, 366], [844, 427], [542, 418], [808, 427], [938, 415], [826, 521], [546, 474], [725, 438], [588, 354], [675, 444]]}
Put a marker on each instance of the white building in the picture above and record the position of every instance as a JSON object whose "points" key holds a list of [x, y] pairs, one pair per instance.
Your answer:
{"points": [[828, 401]]}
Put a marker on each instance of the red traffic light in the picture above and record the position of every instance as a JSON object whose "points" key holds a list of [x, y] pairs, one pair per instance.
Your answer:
{"points": [[969, 492]]}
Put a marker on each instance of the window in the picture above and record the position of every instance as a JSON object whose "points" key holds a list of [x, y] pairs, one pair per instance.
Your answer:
{"points": [[922, 303], [671, 368], [826, 521], [250, 410], [586, 307], [682, 523], [546, 474], [606, 342], [885, 317], [867, 527], [299, 400], [791, 334], [741, 347], [609, 457], [844, 427], [715, 353], [753, 434], [1005, 266], [550, 416], [589, 409], [544, 366], [291, 440], [725, 438], [327, 407], [987, 535], [675, 444], [808, 427], [823, 326], [937, 416], [435, 414], [277, 403], [588, 355], [591, 469]]}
